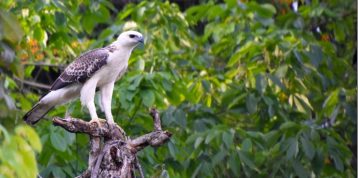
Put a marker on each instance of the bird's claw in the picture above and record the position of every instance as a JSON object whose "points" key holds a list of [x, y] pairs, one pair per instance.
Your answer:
{"points": [[97, 121], [113, 127], [111, 124]]}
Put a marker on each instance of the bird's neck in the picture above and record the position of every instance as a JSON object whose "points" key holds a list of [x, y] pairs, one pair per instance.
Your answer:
{"points": [[120, 54], [111, 48], [115, 48]]}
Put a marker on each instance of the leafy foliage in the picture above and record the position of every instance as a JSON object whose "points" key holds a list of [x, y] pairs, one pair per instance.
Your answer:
{"points": [[245, 87], [17, 152]]}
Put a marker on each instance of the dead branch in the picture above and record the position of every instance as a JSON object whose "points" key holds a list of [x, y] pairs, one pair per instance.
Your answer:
{"points": [[33, 84], [117, 155]]}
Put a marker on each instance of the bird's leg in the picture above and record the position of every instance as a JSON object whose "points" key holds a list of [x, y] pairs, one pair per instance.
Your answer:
{"points": [[106, 100], [88, 92], [94, 118], [100, 103]]}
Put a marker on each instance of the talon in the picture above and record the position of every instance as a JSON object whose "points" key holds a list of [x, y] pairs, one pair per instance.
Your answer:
{"points": [[97, 120], [111, 124]]}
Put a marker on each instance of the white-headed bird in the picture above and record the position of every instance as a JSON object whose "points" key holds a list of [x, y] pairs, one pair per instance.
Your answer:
{"points": [[97, 69]]}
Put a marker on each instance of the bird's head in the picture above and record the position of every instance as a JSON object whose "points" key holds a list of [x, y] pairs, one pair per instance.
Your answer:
{"points": [[129, 39]]}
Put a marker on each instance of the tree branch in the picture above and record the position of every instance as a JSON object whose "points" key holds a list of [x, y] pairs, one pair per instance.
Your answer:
{"points": [[80, 126], [33, 84], [117, 158]]}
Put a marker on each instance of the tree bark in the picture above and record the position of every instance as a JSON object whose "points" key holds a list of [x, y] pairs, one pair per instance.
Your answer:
{"points": [[112, 153]]}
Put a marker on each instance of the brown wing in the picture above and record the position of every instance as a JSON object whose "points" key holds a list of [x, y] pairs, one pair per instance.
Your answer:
{"points": [[82, 68]]}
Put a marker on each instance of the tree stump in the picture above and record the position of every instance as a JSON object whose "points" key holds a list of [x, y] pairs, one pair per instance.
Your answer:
{"points": [[112, 153]]}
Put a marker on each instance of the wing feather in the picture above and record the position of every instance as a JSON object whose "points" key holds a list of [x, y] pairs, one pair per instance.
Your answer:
{"points": [[82, 68]]}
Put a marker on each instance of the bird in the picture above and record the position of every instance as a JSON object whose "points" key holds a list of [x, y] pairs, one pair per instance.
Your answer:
{"points": [[97, 69]]}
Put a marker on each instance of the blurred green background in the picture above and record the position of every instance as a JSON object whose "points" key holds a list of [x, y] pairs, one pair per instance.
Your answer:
{"points": [[262, 88]]}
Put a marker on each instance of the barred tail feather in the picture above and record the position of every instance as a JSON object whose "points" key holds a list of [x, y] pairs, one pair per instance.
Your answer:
{"points": [[52, 99], [37, 113]]}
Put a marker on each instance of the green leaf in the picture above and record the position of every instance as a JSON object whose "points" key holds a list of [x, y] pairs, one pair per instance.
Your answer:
{"points": [[263, 10], [281, 71], [125, 13], [234, 164], [315, 54], [69, 137], [12, 31], [270, 8], [243, 50], [230, 3], [148, 97], [103, 15], [198, 142], [271, 137], [197, 13], [337, 161], [308, 148], [277, 81], [330, 102], [298, 56], [88, 22], [106, 34], [214, 12], [299, 106], [135, 81], [30, 135], [58, 172], [172, 149], [292, 150], [26, 159], [234, 59], [211, 136], [236, 100], [58, 142], [197, 170], [180, 117], [167, 85], [318, 162], [196, 92], [28, 70], [300, 170], [251, 103], [304, 100], [4, 132], [261, 83], [40, 35], [246, 145], [288, 125], [246, 159], [218, 157], [228, 138], [339, 33], [141, 64], [60, 19]]}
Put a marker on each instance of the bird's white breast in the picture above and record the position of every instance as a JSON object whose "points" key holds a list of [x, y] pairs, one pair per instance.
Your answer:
{"points": [[116, 65]]}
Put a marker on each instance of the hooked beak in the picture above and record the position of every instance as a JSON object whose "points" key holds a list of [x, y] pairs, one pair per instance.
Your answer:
{"points": [[141, 40]]}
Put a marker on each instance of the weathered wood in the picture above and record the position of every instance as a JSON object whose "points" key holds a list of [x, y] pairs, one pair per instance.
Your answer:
{"points": [[112, 154]]}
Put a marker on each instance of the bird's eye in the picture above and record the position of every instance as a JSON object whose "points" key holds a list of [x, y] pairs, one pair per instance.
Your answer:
{"points": [[131, 36]]}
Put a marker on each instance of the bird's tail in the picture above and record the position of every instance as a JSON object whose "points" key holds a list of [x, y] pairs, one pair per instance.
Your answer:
{"points": [[49, 101], [37, 112]]}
